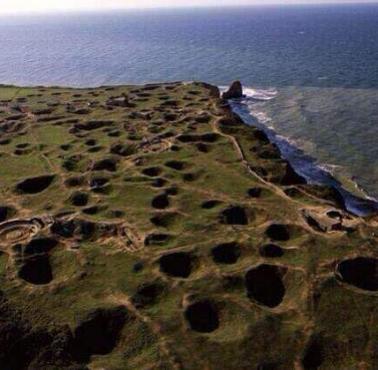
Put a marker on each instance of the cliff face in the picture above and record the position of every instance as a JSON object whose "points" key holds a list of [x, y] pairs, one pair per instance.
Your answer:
{"points": [[148, 227]]}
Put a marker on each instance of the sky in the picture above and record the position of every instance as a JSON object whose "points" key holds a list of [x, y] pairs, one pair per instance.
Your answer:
{"points": [[17, 6]]}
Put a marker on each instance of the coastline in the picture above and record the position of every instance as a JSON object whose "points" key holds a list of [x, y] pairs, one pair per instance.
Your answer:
{"points": [[306, 166], [303, 164]]}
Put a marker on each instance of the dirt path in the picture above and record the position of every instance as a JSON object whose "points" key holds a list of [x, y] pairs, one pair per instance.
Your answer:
{"points": [[244, 161], [275, 188], [33, 119]]}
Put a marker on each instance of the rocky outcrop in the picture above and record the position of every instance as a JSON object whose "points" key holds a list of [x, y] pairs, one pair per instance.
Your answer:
{"points": [[234, 92]]}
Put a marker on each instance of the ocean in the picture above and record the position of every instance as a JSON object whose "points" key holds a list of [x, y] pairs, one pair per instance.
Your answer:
{"points": [[310, 72]]}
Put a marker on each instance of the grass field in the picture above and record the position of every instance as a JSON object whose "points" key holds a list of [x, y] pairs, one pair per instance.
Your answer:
{"points": [[146, 227]]}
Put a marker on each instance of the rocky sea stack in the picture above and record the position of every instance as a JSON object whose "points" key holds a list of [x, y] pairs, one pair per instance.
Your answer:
{"points": [[234, 92]]}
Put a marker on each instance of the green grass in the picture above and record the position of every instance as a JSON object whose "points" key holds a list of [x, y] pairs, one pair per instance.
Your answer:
{"points": [[101, 272]]}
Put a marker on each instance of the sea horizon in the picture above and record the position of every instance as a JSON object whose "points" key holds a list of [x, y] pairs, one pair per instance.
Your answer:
{"points": [[186, 8], [91, 49]]}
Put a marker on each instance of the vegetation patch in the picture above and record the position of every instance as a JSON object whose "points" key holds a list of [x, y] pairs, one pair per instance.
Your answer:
{"points": [[147, 227]]}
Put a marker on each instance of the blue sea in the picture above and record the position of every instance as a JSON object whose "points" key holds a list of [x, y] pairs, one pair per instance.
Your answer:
{"points": [[311, 72]]}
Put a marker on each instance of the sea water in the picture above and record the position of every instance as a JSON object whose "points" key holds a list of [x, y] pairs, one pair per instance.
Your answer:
{"points": [[310, 72]]}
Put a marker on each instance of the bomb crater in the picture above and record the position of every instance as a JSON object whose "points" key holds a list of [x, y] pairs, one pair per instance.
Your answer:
{"points": [[227, 253], [177, 264], [264, 285], [35, 185], [202, 316], [362, 272]]}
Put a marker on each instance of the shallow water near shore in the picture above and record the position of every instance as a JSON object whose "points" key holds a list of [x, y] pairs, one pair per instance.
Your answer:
{"points": [[304, 156], [312, 69], [337, 126]]}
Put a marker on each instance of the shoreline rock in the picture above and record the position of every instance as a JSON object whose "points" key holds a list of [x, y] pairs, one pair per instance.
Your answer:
{"points": [[235, 91]]}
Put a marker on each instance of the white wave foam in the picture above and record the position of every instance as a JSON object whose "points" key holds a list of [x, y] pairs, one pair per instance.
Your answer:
{"points": [[255, 94], [295, 143], [260, 94], [330, 168], [261, 117]]}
